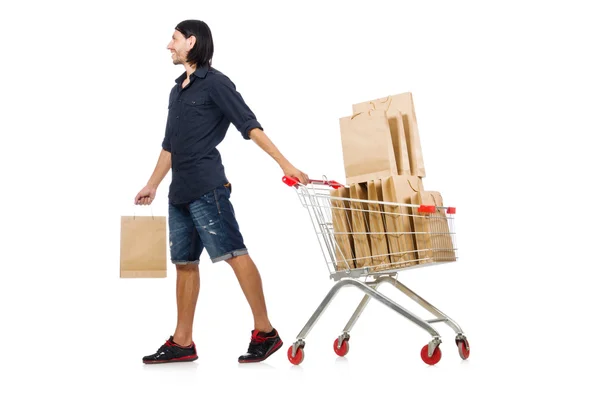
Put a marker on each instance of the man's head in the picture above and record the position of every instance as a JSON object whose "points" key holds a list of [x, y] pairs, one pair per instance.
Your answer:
{"points": [[192, 43]]}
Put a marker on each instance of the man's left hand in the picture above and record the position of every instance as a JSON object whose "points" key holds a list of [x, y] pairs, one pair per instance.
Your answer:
{"points": [[292, 171]]}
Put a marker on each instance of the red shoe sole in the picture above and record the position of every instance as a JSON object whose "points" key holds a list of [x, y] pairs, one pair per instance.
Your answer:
{"points": [[257, 360], [175, 360]]}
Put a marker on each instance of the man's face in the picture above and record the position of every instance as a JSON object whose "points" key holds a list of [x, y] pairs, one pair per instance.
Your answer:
{"points": [[179, 47]]}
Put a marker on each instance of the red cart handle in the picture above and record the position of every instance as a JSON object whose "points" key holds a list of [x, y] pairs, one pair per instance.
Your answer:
{"points": [[292, 181]]}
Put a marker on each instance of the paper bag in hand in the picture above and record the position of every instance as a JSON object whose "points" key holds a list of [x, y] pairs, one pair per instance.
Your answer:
{"points": [[367, 147], [341, 219], [379, 241], [143, 247], [404, 104], [360, 225], [441, 243], [401, 189]]}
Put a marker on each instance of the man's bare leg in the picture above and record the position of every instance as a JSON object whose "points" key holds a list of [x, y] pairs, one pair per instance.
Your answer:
{"points": [[249, 278], [187, 289]]}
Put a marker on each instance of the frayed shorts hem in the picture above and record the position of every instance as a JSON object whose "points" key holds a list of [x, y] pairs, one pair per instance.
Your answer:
{"points": [[186, 262], [229, 255]]}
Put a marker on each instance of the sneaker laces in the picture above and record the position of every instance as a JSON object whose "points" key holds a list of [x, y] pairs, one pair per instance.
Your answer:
{"points": [[256, 345], [257, 339]]}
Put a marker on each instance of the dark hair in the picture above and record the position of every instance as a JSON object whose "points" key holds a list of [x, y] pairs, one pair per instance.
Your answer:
{"points": [[202, 52]]}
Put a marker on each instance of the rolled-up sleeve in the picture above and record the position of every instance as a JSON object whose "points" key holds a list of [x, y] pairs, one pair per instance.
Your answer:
{"points": [[224, 94], [166, 143]]}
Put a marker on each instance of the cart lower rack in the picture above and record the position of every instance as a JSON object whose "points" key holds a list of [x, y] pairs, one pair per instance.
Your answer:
{"points": [[366, 243]]}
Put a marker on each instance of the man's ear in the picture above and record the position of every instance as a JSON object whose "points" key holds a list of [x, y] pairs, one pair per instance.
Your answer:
{"points": [[191, 42]]}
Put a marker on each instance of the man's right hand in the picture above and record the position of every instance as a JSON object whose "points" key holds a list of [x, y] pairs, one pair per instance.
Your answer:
{"points": [[145, 196]]}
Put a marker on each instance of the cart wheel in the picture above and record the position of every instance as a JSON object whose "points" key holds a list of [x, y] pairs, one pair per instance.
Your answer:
{"points": [[342, 350], [434, 359], [464, 350], [299, 355]]}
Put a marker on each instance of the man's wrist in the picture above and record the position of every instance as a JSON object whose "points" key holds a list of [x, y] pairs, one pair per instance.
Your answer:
{"points": [[284, 164]]}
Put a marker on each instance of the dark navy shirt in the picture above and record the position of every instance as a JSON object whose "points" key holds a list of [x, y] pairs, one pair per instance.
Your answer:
{"points": [[199, 116]]}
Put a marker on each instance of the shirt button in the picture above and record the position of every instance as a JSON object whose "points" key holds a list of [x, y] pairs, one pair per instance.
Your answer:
{"points": [[193, 102]]}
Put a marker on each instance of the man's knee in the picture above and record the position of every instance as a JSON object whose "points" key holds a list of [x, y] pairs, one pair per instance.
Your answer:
{"points": [[238, 259], [187, 267]]}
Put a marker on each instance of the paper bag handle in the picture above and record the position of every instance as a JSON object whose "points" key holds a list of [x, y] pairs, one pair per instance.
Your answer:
{"points": [[359, 113], [432, 208], [388, 100], [151, 212]]}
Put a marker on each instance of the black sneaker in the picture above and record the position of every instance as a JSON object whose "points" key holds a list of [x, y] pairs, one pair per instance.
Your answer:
{"points": [[262, 345], [172, 352]]}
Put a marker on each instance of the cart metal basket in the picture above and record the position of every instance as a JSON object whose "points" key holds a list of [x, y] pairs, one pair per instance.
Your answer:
{"points": [[366, 243]]}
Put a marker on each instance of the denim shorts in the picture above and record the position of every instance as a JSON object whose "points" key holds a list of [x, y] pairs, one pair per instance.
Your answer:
{"points": [[208, 222]]}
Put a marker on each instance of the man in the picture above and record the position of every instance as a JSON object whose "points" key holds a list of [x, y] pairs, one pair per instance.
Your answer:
{"points": [[202, 105]]}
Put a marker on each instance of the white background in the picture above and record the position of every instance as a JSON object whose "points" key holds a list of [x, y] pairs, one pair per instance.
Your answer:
{"points": [[506, 96]]}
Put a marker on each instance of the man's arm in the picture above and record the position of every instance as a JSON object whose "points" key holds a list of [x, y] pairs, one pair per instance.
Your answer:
{"points": [[262, 140], [163, 165], [233, 106], [148, 192]]}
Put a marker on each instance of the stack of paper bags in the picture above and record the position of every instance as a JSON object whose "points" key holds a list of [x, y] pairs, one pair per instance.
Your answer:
{"points": [[383, 161]]}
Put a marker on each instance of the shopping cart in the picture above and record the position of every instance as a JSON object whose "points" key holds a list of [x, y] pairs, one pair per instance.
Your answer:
{"points": [[412, 236]]}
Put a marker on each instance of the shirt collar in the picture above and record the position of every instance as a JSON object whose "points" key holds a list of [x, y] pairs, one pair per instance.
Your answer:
{"points": [[199, 72]]}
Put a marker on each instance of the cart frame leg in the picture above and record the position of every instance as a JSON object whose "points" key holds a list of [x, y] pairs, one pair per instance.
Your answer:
{"points": [[369, 292], [440, 317]]}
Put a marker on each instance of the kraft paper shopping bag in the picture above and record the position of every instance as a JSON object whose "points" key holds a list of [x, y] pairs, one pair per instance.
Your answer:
{"points": [[367, 147], [342, 229], [143, 247], [405, 105], [360, 225], [440, 238], [399, 141], [401, 189], [379, 241], [422, 222]]}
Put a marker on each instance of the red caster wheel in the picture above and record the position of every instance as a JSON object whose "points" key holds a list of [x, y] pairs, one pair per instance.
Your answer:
{"points": [[434, 359], [343, 349], [299, 355], [463, 348]]}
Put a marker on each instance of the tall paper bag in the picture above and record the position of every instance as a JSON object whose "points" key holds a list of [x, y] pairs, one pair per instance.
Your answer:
{"points": [[341, 220], [401, 189], [360, 225], [404, 104], [379, 241], [422, 225], [399, 141], [442, 247], [143, 247], [367, 147]]}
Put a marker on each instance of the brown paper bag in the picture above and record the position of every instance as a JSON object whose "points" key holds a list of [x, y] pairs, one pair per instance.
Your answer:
{"points": [[379, 242], [341, 218], [442, 246], [422, 222], [401, 189], [403, 103], [143, 247], [360, 225], [367, 146], [399, 141]]}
